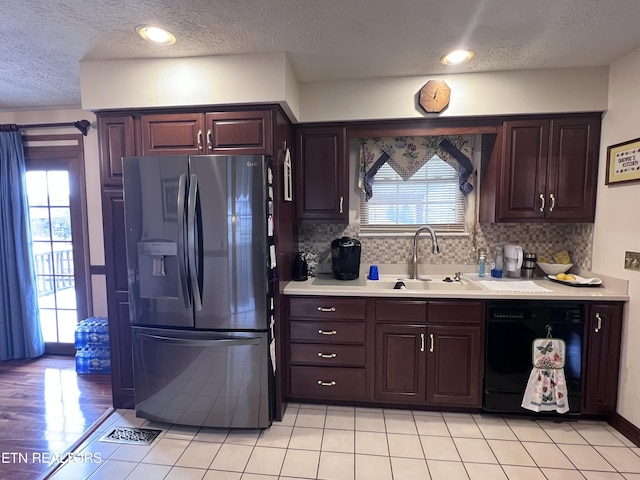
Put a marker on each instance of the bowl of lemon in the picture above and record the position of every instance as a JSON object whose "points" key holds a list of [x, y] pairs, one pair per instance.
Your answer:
{"points": [[557, 269]]}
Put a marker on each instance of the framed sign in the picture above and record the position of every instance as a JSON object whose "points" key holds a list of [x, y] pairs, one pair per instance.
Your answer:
{"points": [[623, 162]]}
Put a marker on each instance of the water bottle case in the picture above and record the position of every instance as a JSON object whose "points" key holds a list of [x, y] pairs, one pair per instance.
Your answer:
{"points": [[92, 346]]}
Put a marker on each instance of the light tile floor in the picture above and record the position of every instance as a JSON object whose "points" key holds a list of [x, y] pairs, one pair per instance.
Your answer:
{"points": [[345, 443]]}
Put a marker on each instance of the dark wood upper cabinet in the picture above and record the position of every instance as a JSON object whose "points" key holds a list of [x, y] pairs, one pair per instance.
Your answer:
{"points": [[322, 175], [173, 134], [116, 138], [218, 133], [526, 146], [573, 169], [603, 330], [239, 133], [542, 169]]}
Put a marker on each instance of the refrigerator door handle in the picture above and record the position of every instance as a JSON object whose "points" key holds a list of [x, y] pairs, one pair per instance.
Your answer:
{"points": [[191, 241], [220, 342], [182, 266]]}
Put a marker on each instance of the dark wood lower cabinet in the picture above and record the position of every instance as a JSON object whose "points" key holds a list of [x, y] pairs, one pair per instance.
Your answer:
{"points": [[118, 299], [327, 349], [328, 383], [423, 353], [400, 369], [454, 366], [602, 352]]}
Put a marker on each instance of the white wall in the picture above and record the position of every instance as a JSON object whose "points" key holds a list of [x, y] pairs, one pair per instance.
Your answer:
{"points": [[617, 227], [92, 174], [224, 79], [269, 78], [487, 93]]}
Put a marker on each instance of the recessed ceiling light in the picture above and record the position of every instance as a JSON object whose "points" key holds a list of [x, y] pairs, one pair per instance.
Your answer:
{"points": [[457, 57], [156, 35]]}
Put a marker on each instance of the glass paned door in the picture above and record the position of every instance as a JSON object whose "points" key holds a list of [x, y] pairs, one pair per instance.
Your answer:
{"points": [[50, 213]]}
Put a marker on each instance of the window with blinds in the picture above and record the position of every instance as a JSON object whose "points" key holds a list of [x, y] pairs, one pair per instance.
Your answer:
{"points": [[431, 196]]}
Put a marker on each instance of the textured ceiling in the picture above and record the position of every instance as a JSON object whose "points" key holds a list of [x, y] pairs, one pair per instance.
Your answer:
{"points": [[43, 41]]}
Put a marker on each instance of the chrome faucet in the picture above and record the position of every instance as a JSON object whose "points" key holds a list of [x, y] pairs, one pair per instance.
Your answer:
{"points": [[434, 248]]}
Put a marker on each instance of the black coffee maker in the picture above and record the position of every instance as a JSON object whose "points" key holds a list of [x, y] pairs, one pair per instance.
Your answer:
{"points": [[345, 258]]}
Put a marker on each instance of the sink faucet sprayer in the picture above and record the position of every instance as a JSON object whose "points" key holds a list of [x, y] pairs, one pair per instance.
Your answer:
{"points": [[434, 249]]}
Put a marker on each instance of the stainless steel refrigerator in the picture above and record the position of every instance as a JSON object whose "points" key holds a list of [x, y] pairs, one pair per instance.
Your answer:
{"points": [[201, 260]]}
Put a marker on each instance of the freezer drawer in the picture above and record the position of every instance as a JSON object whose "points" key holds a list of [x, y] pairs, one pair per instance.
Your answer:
{"points": [[202, 378]]}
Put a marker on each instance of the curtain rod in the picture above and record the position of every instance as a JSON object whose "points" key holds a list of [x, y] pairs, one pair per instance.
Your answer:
{"points": [[82, 125]]}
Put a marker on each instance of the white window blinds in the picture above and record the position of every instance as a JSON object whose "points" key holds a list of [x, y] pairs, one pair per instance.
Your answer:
{"points": [[431, 196]]}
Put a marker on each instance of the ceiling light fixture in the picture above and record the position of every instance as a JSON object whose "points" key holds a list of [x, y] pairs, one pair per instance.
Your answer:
{"points": [[156, 35], [457, 57]]}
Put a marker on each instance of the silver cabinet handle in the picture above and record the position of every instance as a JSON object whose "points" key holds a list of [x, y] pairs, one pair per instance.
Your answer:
{"points": [[209, 140], [599, 323], [199, 139], [341, 204], [327, 355], [542, 202], [326, 384], [553, 202], [422, 342], [327, 332], [324, 309], [431, 341]]}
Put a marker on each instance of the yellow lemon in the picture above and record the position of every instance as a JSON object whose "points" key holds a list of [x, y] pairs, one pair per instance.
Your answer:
{"points": [[569, 277], [561, 276]]}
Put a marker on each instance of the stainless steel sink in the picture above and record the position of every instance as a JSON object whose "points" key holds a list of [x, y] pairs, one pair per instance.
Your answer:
{"points": [[435, 283]]}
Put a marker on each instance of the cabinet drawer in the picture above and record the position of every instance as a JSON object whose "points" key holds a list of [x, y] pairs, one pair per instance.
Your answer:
{"points": [[456, 311], [406, 311], [328, 382], [320, 354], [328, 308], [327, 332]]}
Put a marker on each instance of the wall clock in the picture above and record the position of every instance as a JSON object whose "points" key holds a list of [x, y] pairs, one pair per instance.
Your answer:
{"points": [[435, 96]]}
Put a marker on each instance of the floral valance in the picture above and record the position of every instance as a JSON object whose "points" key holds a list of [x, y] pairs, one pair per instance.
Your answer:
{"points": [[406, 155]]}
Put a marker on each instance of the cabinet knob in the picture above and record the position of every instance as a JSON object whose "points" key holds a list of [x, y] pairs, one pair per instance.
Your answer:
{"points": [[327, 384], [553, 202], [541, 202], [431, 342], [598, 323], [422, 342], [341, 204]]}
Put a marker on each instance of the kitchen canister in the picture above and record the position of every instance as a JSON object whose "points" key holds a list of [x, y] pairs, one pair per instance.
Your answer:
{"points": [[529, 264]]}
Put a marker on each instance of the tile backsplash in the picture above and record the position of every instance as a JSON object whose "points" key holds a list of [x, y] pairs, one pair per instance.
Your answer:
{"points": [[544, 239]]}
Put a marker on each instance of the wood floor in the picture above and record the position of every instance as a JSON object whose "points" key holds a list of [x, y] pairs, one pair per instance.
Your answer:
{"points": [[45, 407]]}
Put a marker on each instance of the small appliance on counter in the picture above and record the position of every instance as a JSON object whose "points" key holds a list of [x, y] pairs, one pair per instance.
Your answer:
{"points": [[513, 257], [299, 271], [345, 258], [529, 264]]}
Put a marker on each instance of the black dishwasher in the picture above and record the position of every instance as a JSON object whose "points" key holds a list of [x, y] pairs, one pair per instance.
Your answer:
{"points": [[512, 326]]}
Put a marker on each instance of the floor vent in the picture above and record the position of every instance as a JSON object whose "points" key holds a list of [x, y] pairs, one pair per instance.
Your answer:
{"points": [[131, 436]]}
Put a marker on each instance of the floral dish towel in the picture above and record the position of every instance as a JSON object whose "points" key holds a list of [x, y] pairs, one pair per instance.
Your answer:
{"points": [[547, 389]]}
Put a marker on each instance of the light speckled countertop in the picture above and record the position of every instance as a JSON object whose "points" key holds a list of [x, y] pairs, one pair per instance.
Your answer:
{"points": [[472, 286]]}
